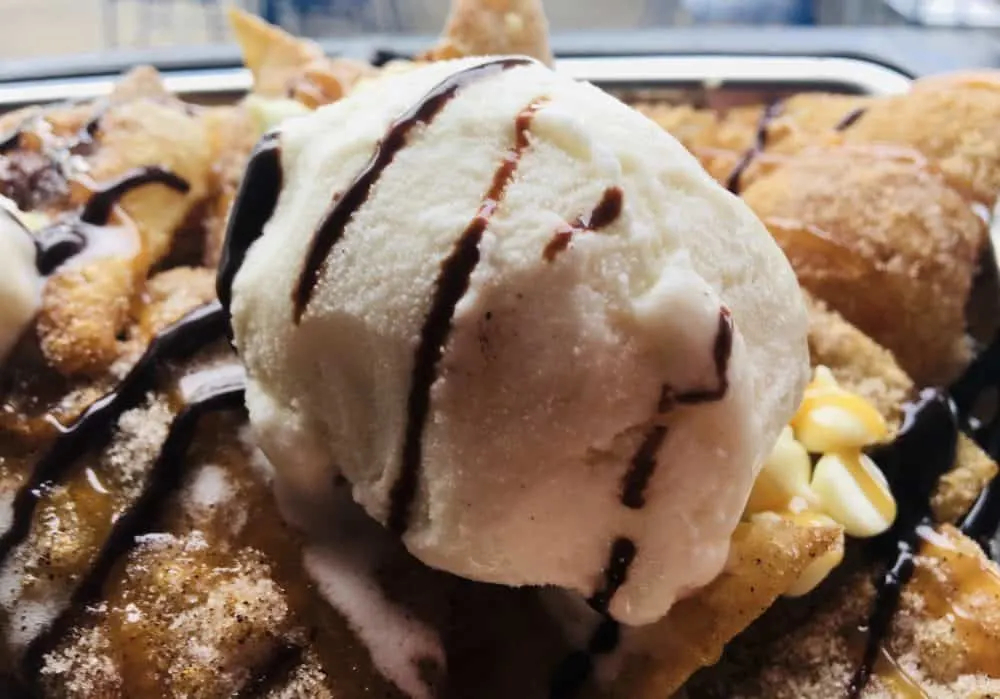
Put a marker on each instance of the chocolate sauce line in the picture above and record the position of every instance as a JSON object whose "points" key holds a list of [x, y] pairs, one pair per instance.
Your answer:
{"points": [[574, 671], [164, 479], [97, 210], [923, 450], [253, 207], [770, 113], [623, 552], [983, 375], [641, 469], [332, 228], [64, 239], [94, 427], [452, 283], [607, 211], [722, 351], [850, 119]]}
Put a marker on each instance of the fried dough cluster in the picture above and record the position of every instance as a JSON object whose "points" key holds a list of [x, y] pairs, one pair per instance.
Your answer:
{"points": [[880, 203]]}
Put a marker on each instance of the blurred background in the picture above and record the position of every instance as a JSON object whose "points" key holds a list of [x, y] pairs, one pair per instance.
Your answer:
{"points": [[52, 27]]}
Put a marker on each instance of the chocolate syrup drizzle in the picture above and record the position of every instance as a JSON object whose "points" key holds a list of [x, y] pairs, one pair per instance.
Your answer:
{"points": [[770, 113], [912, 463], [607, 211], [252, 209], [97, 210], [64, 239], [331, 230], [573, 672], [94, 427], [850, 119], [451, 285]]}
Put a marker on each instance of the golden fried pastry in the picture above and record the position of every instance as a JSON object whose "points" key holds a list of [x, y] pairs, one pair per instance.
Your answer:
{"points": [[147, 168], [494, 27], [810, 118], [951, 122], [880, 236], [285, 66]]}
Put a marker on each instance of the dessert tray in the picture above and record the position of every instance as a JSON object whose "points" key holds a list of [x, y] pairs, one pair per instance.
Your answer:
{"points": [[154, 544]]}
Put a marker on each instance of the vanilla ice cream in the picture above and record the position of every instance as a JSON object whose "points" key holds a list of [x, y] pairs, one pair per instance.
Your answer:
{"points": [[539, 341], [20, 283]]}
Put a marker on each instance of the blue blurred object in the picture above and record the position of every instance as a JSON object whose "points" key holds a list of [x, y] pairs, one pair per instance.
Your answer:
{"points": [[363, 14], [801, 12]]}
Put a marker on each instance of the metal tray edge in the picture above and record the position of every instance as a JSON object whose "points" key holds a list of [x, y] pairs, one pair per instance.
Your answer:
{"points": [[843, 73]]}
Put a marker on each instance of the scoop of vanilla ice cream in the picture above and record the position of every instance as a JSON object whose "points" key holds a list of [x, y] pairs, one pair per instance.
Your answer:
{"points": [[610, 342], [20, 283]]}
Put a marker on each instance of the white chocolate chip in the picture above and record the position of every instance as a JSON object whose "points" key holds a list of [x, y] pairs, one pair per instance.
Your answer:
{"points": [[835, 427], [852, 490], [783, 478]]}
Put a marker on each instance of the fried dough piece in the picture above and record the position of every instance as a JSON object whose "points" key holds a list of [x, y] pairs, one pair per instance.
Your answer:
{"points": [[85, 304], [883, 239], [146, 132], [769, 553], [83, 309], [767, 557], [232, 134], [811, 118], [192, 621], [494, 27], [953, 122], [286, 66], [142, 82]]}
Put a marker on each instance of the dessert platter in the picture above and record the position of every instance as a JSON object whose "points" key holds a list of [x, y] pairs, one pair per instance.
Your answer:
{"points": [[457, 377]]}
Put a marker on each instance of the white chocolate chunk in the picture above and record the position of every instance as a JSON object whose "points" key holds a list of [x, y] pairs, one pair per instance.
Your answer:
{"points": [[852, 490]]}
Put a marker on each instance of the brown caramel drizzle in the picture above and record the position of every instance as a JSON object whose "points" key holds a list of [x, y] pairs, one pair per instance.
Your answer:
{"points": [[452, 283], [957, 592], [607, 211], [332, 228], [94, 426], [223, 391]]}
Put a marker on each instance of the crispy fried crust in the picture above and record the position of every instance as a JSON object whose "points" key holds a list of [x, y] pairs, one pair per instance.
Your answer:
{"points": [[883, 239], [767, 557], [952, 122], [287, 66], [494, 27]]}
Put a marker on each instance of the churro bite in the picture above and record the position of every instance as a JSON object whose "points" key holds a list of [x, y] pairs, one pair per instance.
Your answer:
{"points": [[880, 236], [951, 122], [488, 27], [285, 67]]}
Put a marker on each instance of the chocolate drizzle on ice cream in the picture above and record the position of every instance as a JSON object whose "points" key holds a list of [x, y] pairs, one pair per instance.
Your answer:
{"points": [[344, 207], [452, 284], [607, 211]]}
